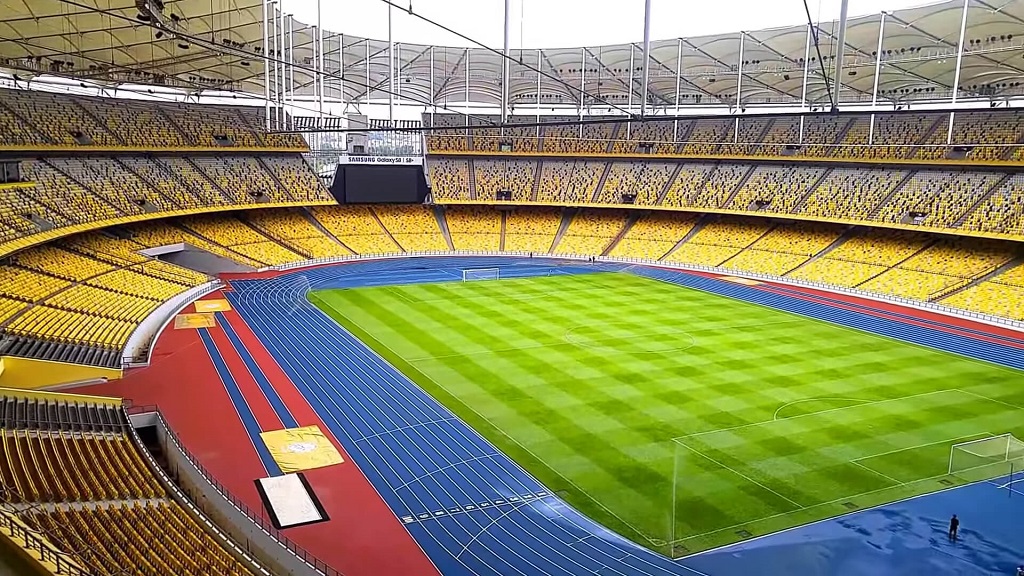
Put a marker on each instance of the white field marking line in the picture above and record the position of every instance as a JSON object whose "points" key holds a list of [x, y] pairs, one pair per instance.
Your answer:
{"points": [[983, 397], [333, 416], [440, 407], [788, 404], [848, 497], [839, 325], [456, 297], [899, 484], [393, 430], [856, 460], [450, 465], [1010, 483], [873, 471], [505, 434], [485, 528], [761, 423], [744, 476]]}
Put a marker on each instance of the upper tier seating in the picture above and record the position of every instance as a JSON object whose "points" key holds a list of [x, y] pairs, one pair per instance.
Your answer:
{"points": [[569, 182], [450, 178], [34, 118], [516, 176], [645, 180], [990, 135], [79, 192]]}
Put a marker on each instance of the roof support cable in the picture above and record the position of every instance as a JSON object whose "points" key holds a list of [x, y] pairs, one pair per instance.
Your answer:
{"points": [[569, 87], [817, 50]]}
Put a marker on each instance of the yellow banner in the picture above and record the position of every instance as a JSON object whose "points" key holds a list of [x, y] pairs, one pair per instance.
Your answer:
{"points": [[296, 449], [212, 306], [194, 321]]}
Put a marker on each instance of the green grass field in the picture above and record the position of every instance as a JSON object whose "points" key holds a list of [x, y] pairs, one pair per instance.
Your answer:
{"points": [[682, 419]]}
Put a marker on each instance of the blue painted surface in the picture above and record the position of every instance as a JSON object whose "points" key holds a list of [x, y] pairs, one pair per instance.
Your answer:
{"points": [[273, 398], [252, 427], [475, 512]]}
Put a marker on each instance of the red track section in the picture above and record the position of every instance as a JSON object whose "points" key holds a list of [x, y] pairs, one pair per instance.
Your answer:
{"points": [[363, 536], [182, 381]]}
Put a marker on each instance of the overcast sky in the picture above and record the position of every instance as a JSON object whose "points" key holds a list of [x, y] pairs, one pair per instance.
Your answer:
{"points": [[570, 23]]}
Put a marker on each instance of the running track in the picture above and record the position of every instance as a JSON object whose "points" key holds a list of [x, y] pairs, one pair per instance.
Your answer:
{"points": [[472, 509]]}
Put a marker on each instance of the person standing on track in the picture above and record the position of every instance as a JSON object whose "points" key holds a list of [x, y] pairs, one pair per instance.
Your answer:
{"points": [[954, 525]]}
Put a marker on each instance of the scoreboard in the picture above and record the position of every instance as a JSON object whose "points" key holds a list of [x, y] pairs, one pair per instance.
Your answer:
{"points": [[380, 180]]}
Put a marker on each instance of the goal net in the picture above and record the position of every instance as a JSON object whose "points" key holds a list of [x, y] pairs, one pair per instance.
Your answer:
{"points": [[473, 274], [986, 458]]}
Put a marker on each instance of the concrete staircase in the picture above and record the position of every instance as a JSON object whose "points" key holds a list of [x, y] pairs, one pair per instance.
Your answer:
{"points": [[634, 215], [316, 224], [443, 225], [686, 238], [567, 215], [971, 282]]}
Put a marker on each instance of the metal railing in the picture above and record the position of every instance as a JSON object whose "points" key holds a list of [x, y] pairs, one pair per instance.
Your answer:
{"points": [[35, 542], [256, 517]]}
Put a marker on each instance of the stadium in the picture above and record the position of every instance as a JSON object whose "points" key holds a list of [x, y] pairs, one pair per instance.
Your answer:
{"points": [[281, 300]]}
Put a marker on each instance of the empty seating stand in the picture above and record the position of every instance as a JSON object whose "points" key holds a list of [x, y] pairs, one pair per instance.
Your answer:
{"points": [[70, 470]]}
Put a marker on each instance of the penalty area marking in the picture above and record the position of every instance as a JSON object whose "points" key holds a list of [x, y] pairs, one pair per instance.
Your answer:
{"points": [[840, 499], [788, 404]]}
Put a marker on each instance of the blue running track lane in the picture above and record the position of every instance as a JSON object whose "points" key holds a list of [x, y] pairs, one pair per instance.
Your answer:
{"points": [[475, 511], [278, 405], [252, 428]]}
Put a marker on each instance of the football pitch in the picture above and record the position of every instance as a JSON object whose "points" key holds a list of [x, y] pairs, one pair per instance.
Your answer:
{"points": [[681, 419]]}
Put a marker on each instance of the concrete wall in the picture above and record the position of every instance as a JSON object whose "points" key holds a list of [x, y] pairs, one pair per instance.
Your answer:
{"points": [[255, 540]]}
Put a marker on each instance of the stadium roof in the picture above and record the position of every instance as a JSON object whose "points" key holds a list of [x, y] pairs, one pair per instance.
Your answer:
{"points": [[215, 44]]}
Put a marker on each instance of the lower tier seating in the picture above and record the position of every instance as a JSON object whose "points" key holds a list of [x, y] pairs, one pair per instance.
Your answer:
{"points": [[73, 474], [80, 298]]}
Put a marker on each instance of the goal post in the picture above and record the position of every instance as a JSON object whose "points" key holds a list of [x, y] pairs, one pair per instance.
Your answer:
{"points": [[986, 458], [474, 274]]}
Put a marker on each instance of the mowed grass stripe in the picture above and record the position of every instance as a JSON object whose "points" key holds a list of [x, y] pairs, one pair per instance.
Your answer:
{"points": [[585, 380]]}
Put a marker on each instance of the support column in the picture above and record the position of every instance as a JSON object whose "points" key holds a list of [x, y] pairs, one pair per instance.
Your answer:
{"points": [[391, 70], [878, 69], [467, 93], [739, 73], [291, 70], [341, 71], [840, 50], [266, 65], [540, 57], [433, 102], [316, 65], [504, 68], [366, 43], [275, 65], [629, 98], [321, 71], [956, 75], [583, 79], [647, 56], [803, 88], [679, 77], [282, 69]]}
